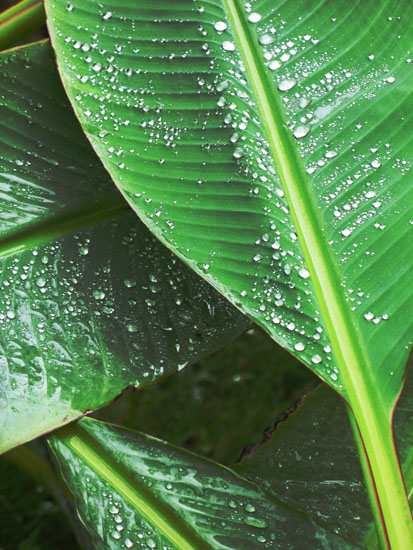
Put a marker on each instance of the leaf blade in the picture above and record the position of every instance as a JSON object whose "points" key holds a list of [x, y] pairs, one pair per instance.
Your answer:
{"points": [[82, 314]]}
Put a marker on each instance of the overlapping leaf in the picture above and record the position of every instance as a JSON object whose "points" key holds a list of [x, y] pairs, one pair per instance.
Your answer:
{"points": [[90, 302], [306, 489]]}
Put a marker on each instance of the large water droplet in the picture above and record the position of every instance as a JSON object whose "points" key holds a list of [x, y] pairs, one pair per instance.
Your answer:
{"points": [[286, 85]]}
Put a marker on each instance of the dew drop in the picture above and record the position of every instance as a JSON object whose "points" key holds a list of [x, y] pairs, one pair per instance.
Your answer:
{"points": [[98, 294], [220, 26], [255, 522], [254, 17], [266, 39], [301, 131], [299, 346], [286, 85], [40, 282], [316, 359], [107, 15], [274, 65], [228, 46]]}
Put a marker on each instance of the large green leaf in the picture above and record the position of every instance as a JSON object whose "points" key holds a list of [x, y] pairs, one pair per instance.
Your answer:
{"points": [[90, 302], [162, 94], [306, 491], [301, 206]]}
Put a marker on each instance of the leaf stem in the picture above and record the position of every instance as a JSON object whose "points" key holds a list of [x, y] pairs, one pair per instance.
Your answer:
{"points": [[354, 364], [376, 534], [20, 20]]}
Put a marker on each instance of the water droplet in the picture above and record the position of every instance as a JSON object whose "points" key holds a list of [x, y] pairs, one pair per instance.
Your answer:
{"points": [[128, 543], [286, 85], [129, 283], [304, 102], [274, 65], [11, 314], [98, 294], [316, 359], [107, 15], [375, 163], [250, 508], [40, 282], [228, 46], [254, 17], [369, 316], [301, 131], [255, 522], [299, 346], [304, 273], [220, 26], [150, 543], [266, 39]]}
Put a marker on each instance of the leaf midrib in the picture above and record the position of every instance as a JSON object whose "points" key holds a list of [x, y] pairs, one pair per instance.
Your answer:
{"points": [[68, 221], [329, 292]]}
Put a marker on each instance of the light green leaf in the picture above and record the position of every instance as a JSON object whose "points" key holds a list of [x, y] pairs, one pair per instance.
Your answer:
{"points": [[162, 94], [307, 492], [90, 302], [301, 206]]}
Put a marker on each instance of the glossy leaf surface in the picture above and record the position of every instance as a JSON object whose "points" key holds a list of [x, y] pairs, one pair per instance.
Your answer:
{"points": [[140, 492], [164, 94], [90, 302], [305, 489]]}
